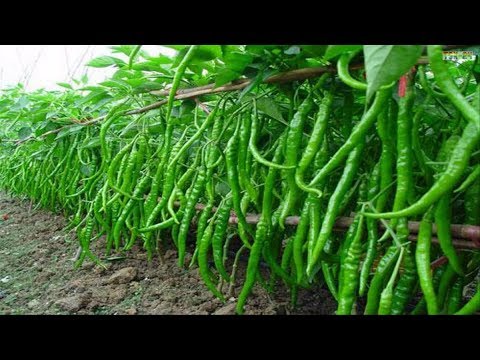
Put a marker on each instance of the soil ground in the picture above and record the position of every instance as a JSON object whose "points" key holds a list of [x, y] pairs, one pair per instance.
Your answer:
{"points": [[37, 277]]}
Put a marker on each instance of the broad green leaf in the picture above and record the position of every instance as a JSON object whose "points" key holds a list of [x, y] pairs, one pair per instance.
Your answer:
{"points": [[237, 61], [123, 49], [314, 50], [146, 86], [24, 132], [38, 116], [226, 49], [20, 104], [387, 63], [225, 76], [65, 85], [92, 88], [292, 50], [160, 60], [269, 107], [235, 64], [128, 74], [93, 97], [206, 53], [196, 69], [116, 84], [336, 50], [101, 103], [105, 61]]}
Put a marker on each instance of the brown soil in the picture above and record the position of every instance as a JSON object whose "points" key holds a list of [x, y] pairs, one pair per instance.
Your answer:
{"points": [[37, 277]]}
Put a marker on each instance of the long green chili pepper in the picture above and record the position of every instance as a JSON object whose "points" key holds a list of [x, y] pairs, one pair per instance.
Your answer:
{"points": [[299, 239], [221, 223], [372, 233], [474, 175], [350, 277], [203, 261], [472, 306], [386, 297], [405, 288], [357, 136], [178, 78], [421, 307], [344, 183], [188, 214], [446, 281], [344, 73], [231, 156], [404, 151], [422, 258], [383, 270], [293, 141], [243, 170], [314, 143], [454, 300]]}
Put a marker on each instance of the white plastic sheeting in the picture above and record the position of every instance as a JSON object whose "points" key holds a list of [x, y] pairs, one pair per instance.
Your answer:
{"points": [[42, 66]]}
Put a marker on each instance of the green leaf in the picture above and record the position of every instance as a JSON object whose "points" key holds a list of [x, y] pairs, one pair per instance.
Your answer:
{"points": [[206, 53], [92, 88], [226, 49], [86, 170], [127, 50], [292, 50], [69, 130], [93, 97], [65, 85], [24, 132], [45, 126], [387, 63], [176, 47], [237, 61], [225, 76], [160, 60], [269, 107], [222, 189], [336, 50], [116, 84], [314, 50], [235, 64], [145, 86], [258, 49], [20, 104], [106, 61]]}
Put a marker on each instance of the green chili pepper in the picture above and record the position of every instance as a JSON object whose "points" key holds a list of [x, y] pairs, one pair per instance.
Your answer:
{"points": [[344, 183], [422, 258]]}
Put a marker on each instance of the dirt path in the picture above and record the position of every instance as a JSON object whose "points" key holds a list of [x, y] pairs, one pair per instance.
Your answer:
{"points": [[37, 277]]}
